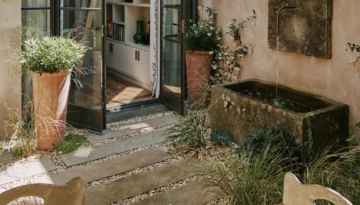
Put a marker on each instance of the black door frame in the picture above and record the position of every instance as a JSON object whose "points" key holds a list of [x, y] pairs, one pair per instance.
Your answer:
{"points": [[188, 11], [80, 116]]}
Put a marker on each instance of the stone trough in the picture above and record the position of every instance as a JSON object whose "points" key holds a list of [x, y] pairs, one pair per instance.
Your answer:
{"points": [[255, 104]]}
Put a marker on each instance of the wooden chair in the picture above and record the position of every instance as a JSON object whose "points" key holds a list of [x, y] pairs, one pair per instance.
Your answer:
{"points": [[296, 193], [70, 193]]}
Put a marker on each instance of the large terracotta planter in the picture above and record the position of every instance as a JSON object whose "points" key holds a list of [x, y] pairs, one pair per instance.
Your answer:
{"points": [[50, 98], [198, 65]]}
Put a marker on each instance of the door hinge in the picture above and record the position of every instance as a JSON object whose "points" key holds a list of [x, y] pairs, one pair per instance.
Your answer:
{"points": [[103, 30], [183, 26]]}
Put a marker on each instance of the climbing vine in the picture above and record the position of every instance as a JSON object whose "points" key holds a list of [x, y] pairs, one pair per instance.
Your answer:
{"points": [[353, 47], [227, 61]]}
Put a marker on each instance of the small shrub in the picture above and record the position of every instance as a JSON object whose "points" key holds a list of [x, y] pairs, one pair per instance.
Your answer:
{"points": [[191, 130], [17, 152], [352, 139], [239, 180], [220, 137], [257, 142], [72, 142]]}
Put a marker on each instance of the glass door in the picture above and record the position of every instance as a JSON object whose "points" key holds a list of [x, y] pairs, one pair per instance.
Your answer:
{"points": [[172, 63], [83, 20], [175, 15]]}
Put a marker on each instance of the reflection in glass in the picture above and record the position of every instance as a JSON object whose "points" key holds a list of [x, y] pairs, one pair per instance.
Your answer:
{"points": [[73, 23], [172, 2], [172, 66], [36, 22], [35, 3], [81, 3], [171, 17]]}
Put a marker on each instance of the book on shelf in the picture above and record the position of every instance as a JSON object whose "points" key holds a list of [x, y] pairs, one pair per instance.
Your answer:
{"points": [[110, 28], [114, 32]]}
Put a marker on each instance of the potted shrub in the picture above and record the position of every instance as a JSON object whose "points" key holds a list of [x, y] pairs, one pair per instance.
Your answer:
{"points": [[50, 61], [202, 40]]}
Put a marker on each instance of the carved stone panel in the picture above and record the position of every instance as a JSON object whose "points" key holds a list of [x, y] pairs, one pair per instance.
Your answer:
{"points": [[305, 30]]}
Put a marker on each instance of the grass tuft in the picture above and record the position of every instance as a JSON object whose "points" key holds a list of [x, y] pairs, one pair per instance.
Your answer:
{"points": [[72, 142], [16, 152]]}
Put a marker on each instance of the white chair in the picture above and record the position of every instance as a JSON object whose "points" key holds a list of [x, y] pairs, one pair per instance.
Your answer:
{"points": [[70, 193], [296, 193]]}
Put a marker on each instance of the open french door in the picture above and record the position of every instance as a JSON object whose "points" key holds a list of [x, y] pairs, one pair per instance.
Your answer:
{"points": [[175, 14], [84, 21]]}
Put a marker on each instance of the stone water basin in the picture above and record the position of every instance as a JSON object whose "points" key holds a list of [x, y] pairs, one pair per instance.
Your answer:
{"points": [[254, 104]]}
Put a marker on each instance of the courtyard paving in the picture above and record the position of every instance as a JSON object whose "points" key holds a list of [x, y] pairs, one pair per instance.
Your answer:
{"points": [[119, 179]]}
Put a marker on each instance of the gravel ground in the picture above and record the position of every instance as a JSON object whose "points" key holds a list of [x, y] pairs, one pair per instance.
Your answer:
{"points": [[211, 149]]}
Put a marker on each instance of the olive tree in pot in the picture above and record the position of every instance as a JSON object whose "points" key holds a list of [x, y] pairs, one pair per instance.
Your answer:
{"points": [[202, 40], [50, 61]]}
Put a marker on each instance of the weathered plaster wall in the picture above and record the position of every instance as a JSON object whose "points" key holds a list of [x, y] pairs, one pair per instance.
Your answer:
{"points": [[332, 78], [10, 87]]}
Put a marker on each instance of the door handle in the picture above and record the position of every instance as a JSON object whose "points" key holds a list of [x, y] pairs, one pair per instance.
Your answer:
{"points": [[138, 55], [176, 24], [97, 28]]}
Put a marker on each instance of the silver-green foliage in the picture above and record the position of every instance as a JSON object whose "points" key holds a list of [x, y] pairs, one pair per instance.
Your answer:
{"points": [[239, 180], [51, 54], [191, 130]]}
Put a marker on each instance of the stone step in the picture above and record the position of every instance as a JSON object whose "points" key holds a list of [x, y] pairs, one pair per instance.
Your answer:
{"points": [[193, 194], [87, 154], [27, 169], [140, 183], [143, 126], [6, 158], [108, 168]]}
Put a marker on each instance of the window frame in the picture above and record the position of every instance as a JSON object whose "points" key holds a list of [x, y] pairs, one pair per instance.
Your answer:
{"points": [[52, 9]]}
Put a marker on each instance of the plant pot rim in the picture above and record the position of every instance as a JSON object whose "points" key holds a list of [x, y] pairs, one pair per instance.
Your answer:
{"points": [[65, 72], [189, 51]]}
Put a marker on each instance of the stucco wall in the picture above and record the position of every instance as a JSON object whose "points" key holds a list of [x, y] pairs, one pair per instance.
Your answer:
{"points": [[332, 78], [10, 87]]}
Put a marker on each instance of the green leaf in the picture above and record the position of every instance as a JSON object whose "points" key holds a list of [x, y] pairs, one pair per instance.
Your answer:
{"points": [[358, 125]]}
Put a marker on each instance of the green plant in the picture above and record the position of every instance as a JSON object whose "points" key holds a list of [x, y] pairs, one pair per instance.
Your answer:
{"points": [[72, 142], [352, 139], [20, 127], [227, 60], [336, 170], [205, 35], [51, 54], [220, 137], [353, 47], [16, 152], [191, 130], [243, 181], [257, 141]]}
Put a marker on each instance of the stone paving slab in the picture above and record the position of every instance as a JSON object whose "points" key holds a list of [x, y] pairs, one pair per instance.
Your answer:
{"points": [[88, 154], [6, 158], [193, 194], [140, 183], [146, 125], [107, 168], [19, 171]]}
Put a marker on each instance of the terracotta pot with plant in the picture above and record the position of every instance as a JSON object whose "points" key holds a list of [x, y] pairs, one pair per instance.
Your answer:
{"points": [[202, 40], [50, 61]]}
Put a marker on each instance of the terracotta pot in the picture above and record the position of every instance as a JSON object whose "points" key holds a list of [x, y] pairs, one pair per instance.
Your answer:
{"points": [[50, 98], [198, 65]]}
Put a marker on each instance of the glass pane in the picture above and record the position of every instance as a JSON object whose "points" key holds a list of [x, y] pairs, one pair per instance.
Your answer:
{"points": [[35, 23], [81, 3], [35, 3], [171, 23], [172, 66], [172, 2], [76, 24]]}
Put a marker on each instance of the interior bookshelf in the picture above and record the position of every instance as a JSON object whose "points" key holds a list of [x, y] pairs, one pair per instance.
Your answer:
{"points": [[123, 17], [125, 58]]}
